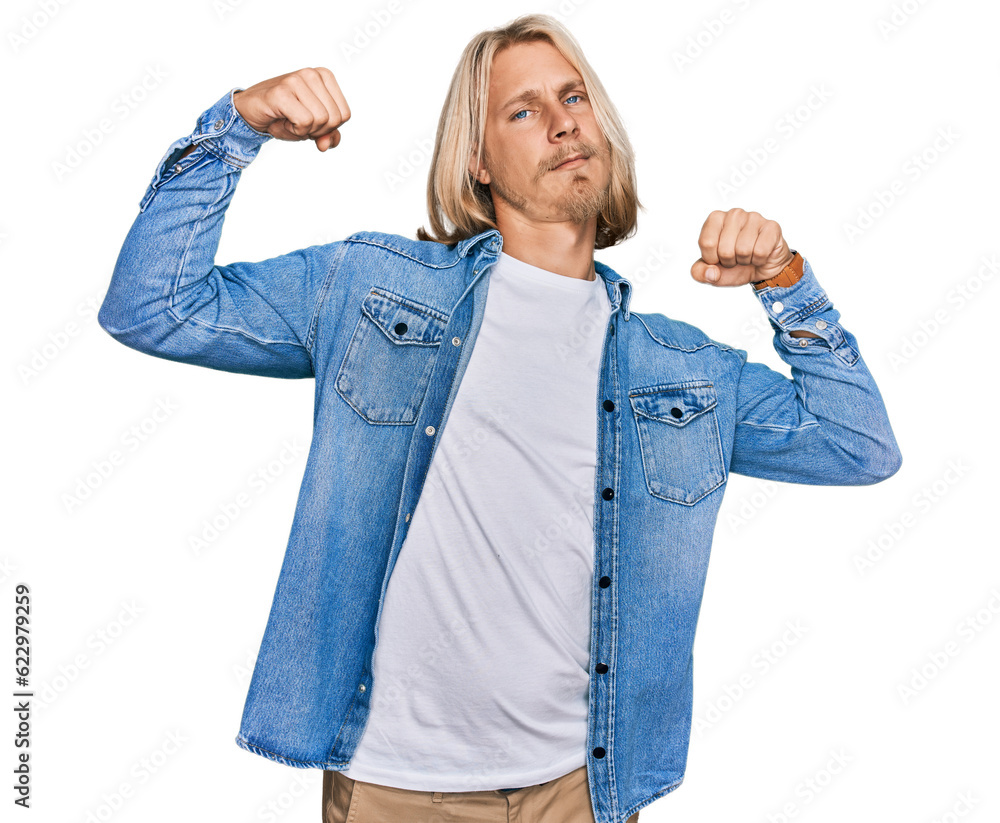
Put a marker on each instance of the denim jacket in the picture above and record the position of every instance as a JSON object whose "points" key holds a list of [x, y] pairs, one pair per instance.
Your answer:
{"points": [[386, 325]]}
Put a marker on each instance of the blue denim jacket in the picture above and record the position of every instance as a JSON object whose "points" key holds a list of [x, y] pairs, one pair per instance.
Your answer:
{"points": [[386, 326]]}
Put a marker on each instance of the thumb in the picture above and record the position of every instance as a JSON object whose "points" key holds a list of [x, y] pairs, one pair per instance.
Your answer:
{"points": [[328, 141], [717, 275]]}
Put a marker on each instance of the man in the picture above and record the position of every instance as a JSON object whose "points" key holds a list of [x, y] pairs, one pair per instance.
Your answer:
{"points": [[488, 601]]}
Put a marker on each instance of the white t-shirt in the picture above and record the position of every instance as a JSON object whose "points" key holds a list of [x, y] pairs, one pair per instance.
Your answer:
{"points": [[481, 672]]}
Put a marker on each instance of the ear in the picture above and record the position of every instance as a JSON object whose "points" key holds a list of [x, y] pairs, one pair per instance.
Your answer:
{"points": [[479, 173]]}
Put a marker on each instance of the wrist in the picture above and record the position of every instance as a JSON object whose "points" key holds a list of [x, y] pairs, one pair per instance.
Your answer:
{"points": [[788, 276]]}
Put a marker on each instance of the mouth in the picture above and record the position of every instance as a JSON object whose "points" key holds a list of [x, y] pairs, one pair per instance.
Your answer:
{"points": [[572, 162]]}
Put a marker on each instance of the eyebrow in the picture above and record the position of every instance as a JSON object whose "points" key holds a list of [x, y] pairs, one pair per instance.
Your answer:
{"points": [[531, 94]]}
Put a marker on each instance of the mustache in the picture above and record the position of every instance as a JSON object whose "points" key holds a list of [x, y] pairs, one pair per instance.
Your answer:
{"points": [[584, 148]]}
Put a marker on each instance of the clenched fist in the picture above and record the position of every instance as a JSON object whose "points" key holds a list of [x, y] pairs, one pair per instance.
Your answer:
{"points": [[306, 104], [739, 247]]}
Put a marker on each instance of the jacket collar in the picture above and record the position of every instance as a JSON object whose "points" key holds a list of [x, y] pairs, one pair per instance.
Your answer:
{"points": [[490, 239], [619, 289]]}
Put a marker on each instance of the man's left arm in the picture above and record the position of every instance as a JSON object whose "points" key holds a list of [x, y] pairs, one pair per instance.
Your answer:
{"points": [[827, 425]]}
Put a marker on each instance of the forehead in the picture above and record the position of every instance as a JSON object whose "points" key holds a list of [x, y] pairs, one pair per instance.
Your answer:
{"points": [[523, 67]]}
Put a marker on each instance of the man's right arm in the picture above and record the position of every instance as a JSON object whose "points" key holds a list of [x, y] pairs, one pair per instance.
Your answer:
{"points": [[167, 296]]}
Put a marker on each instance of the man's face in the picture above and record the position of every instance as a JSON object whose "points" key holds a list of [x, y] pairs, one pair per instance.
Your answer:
{"points": [[528, 137]]}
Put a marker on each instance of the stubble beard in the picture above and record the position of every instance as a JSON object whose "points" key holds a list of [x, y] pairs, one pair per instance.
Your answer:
{"points": [[581, 202]]}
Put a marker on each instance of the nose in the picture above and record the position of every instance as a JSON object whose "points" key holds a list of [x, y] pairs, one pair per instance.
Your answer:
{"points": [[564, 124]]}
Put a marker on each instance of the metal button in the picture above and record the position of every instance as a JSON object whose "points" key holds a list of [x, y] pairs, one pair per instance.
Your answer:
{"points": [[803, 342], [820, 324], [430, 430], [778, 306], [361, 688], [178, 168], [456, 341], [218, 125]]}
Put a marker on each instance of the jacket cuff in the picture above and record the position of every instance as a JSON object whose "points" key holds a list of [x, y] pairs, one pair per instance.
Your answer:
{"points": [[788, 306], [805, 306], [226, 134], [222, 132]]}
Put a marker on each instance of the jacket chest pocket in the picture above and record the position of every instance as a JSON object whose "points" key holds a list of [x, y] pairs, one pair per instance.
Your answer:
{"points": [[679, 440], [388, 364]]}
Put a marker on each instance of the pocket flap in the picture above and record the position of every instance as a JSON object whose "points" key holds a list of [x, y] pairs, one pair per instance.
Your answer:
{"points": [[676, 404], [404, 321]]}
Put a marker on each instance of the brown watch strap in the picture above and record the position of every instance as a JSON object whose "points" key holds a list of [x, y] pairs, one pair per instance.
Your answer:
{"points": [[788, 276]]}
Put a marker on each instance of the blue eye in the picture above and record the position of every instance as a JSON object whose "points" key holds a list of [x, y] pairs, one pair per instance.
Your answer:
{"points": [[517, 115]]}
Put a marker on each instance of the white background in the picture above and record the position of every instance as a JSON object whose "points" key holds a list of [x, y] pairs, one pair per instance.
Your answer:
{"points": [[137, 637]]}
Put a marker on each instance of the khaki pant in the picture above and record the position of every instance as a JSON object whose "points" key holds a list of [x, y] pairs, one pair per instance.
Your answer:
{"points": [[563, 800]]}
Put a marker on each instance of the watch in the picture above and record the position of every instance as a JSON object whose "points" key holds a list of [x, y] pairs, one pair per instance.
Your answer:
{"points": [[788, 276]]}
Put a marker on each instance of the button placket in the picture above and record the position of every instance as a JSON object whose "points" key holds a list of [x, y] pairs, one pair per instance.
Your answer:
{"points": [[605, 546]]}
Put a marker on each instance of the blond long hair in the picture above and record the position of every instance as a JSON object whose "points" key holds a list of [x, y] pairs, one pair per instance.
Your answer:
{"points": [[460, 206]]}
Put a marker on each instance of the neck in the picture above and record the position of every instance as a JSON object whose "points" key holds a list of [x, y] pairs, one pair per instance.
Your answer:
{"points": [[566, 248]]}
